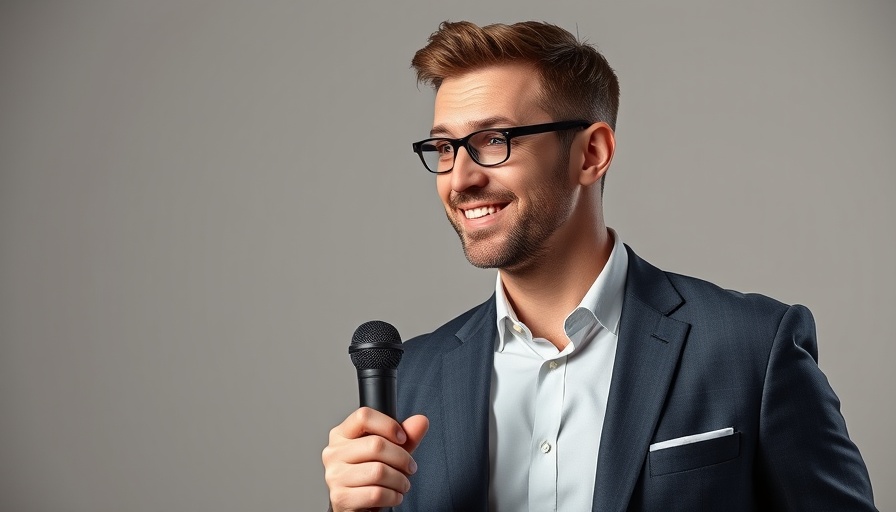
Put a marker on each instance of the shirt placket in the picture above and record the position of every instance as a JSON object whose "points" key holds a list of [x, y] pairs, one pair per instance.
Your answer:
{"points": [[543, 470]]}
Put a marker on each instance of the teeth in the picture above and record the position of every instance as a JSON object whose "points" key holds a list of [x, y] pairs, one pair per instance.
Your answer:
{"points": [[476, 213]]}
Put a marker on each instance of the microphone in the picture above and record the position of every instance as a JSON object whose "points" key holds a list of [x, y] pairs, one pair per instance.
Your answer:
{"points": [[376, 351]]}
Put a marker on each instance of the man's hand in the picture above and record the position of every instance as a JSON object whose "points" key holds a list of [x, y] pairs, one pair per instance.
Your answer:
{"points": [[368, 460]]}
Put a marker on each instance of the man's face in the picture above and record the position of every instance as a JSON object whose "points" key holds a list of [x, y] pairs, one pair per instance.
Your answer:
{"points": [[510, 215]]}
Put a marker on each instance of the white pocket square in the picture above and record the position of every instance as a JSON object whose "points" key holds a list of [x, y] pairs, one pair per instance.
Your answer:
{"points": [[696, 438]]}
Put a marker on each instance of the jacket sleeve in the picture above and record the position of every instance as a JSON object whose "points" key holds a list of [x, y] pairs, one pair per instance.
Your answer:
{"points": [[805, 459]]}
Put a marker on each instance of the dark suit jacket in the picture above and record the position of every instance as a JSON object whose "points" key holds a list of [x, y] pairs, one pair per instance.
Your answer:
{"points": [[691, 358]]}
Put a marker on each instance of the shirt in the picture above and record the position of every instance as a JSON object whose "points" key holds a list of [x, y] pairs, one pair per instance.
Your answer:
{"points": [[548, 405]]}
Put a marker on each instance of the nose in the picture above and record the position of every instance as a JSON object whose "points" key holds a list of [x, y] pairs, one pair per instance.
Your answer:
{"points": [[467, 173]]}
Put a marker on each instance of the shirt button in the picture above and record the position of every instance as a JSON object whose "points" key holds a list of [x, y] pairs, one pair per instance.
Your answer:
{"points": [[545, 447], [517, 328], [553, 365]]}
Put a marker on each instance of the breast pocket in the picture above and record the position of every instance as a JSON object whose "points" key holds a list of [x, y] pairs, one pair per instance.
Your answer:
{"points": [[694, 455]]}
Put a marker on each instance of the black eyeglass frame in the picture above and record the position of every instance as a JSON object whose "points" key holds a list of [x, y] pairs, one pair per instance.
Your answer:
{"points": [[509, 133]]}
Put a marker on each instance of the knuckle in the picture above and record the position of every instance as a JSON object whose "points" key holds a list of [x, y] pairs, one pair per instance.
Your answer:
{"points": [[334, 478], [363, 414], [377, 443], [329, 474], [326, 454], [377, 472]]}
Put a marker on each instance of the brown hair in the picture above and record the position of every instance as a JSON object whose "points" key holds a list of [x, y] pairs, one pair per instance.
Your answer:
{"points": [[577, 80]]}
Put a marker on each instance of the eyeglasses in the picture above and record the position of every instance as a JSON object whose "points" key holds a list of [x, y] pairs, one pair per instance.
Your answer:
{"points": [[488, 148]]}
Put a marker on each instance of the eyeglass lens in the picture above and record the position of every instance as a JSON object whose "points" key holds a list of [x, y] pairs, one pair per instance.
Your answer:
{"points": [[485, 148]]}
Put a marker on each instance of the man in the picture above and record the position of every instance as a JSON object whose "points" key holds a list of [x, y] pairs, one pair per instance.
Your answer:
{"points": [[590, 380]]}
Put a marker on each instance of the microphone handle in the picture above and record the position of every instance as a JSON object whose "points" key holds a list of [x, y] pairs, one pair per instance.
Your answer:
{"points": [[377, 389]]}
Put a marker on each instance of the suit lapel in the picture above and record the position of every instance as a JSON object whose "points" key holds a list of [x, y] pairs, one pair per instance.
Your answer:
{"points": [[647, 354], [466, 387]]}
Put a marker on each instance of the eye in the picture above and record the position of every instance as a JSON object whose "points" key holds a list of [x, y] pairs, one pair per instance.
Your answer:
{"points": [[496, 139], [444, 147]]}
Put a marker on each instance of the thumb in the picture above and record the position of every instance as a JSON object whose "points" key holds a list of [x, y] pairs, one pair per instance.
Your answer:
{"points": [[415, 427]]}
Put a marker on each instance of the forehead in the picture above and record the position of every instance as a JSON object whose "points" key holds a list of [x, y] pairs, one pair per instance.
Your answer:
{"points": [[508, 92]]}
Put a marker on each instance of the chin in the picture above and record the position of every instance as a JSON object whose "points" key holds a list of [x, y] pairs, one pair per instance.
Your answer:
{"points": [[489, 248], [491, 255], [482, 254]]}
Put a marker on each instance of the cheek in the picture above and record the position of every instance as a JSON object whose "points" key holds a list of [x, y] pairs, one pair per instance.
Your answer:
{"points": [[546, 164], [443, 186]]}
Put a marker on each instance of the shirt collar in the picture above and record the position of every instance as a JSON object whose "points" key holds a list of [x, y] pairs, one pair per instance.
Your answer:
{"points": [[603, 299]]}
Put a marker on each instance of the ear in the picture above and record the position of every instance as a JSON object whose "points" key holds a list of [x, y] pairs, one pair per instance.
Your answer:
{"points": [[598, 145]]}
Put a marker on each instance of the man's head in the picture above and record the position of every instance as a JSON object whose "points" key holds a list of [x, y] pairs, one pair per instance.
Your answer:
{"points": [[545, 197]]}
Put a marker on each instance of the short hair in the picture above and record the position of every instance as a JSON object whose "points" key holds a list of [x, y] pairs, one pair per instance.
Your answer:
{"points": [[577, 81]]}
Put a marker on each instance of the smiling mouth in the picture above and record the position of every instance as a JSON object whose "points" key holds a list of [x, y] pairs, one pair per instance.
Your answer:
{"points": [[482, 211]]}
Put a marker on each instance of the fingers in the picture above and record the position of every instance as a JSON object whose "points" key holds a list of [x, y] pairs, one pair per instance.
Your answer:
{"points": [[362, 474], [367, 460], [368, 435], [365, 486], [373, 448], [366, 421]]}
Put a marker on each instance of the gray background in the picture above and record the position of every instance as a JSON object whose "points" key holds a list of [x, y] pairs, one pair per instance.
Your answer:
{"points": [[200, 201]]}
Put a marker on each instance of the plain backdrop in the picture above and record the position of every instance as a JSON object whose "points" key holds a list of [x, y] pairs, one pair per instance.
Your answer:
{"points": [[201, 200]]}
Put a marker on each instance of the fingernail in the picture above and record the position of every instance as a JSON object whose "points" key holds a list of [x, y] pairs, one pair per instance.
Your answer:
{"points": [[402, 437], [413, 466]]}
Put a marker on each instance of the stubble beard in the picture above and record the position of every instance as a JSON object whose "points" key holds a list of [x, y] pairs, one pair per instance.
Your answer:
{"points": [[525, 242]]}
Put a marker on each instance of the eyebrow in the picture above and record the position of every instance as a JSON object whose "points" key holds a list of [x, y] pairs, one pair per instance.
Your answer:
{"points": [[481, 124]]}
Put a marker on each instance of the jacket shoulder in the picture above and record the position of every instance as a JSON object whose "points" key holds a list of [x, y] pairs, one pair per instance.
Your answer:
{"points": [[705, 299]]}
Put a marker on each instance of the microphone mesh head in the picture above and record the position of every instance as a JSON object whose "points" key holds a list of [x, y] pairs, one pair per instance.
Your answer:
{"points": [[383, 346]]}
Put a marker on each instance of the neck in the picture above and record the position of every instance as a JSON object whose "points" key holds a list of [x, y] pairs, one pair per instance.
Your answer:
{"points": [[546, 291]]}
